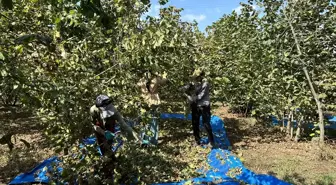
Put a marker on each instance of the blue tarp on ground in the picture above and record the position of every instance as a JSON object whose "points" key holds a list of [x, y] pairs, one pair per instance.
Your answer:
{"points": [[331, 122], [221, 163], [38, 174]]}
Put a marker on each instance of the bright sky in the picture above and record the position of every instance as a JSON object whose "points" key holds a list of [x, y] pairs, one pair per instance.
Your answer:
{"points": [[205, 12]]}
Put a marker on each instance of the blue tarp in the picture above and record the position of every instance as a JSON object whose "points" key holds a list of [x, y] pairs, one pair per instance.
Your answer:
{"points": [[221, 163], [331, 122], [38, 174], [333, 119]]}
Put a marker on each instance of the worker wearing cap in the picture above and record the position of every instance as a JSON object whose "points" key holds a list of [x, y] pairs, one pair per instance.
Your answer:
{"points": [[199, 100], [149, 86], [104, 116]]}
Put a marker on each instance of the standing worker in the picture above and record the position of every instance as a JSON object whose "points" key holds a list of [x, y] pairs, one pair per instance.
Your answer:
{"points": [[149, 86], [199, 100]]}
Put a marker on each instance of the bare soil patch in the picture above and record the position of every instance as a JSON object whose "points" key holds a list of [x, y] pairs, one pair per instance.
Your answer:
{"points": [[266, 150], [29, 143]]}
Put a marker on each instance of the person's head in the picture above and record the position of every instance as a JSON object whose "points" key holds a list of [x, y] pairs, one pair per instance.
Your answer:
{"points": [[149, 74], [198, 75], [102, 103]]}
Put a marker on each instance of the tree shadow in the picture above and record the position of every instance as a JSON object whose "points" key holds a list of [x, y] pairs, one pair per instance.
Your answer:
{"points": [[156, 166], [175, 131], [296, 179], [168, 162], [19, 161], [18, 120], [173, 160], [26, 135], [242, 131]]}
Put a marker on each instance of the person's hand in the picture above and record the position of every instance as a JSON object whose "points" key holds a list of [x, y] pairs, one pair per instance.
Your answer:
{"points": [[190, 98], [144, 144], [109, 135], [164, 75]]}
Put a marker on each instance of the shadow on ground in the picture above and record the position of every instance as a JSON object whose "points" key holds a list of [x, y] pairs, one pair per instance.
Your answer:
{"points": [[296, 179], [242, 131], [29, 146], [17, 120]]}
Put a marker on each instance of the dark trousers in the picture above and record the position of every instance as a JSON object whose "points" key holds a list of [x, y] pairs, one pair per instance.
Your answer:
{"points": [[110, 126], [108, 166], [197, 112]]}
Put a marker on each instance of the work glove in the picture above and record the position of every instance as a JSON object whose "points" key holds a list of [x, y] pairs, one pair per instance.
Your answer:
{"points": [[109, 135], [145, 143]]}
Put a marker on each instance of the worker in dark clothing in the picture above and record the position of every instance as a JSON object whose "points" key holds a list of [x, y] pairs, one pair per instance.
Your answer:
{"points": [[199, 100], [104, 116]]}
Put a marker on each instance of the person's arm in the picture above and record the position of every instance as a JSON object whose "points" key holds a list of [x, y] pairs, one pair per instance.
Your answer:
{"points": [[126, 129], [161, 80], [190, 98], [94, 120], [140, 82], [204, 89], [99, 130], [186, 92], [185, 87]]}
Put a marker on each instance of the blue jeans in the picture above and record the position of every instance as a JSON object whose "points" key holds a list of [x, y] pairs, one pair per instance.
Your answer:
{"points": [[153, 127]]}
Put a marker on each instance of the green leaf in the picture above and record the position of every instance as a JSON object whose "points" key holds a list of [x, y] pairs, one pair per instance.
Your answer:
{"points": [[2, 57], [72, 12], [163, 2], [57, 20], [19, 48], [322, 96], [4, 73]]}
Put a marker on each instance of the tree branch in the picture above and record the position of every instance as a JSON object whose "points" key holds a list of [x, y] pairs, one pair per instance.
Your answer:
{"points": [[315, 95]]}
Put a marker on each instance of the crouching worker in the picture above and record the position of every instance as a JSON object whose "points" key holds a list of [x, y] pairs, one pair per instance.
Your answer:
{"points": [[104, 117]]}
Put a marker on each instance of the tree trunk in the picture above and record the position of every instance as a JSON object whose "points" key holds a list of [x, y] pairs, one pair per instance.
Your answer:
{"points": [[298, 130], [319, 106], [315, 95], [283, 119], [292, 126], [283, 128], [289, 123], [247, 106]]}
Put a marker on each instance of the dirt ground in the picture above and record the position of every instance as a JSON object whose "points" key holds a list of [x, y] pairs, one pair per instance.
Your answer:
{"points": [[23, 157], [267, 151], [262, 150]]}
